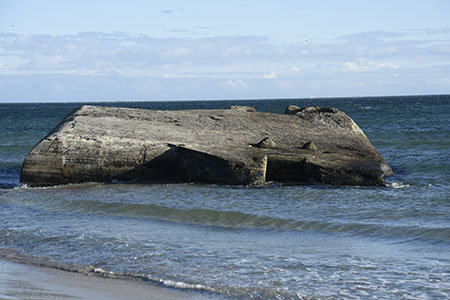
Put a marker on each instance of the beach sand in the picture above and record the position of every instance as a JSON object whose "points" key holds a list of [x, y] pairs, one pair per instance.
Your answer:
{"points": [[18, 281]]}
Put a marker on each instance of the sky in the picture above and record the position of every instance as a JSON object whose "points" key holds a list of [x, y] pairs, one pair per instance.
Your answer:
{"points": [[60, 51]]}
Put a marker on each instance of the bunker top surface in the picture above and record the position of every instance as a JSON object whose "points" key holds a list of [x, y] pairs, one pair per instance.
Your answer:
{"points": [[218, 130]]}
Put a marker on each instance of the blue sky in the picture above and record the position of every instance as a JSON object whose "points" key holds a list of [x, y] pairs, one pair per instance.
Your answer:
{"points": [[175, 50]]}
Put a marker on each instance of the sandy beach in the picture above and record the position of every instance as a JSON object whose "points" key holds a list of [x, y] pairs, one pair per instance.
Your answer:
{"points": [[19, 281]]}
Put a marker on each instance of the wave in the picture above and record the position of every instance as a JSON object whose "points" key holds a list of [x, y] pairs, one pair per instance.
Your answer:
{"points": [[243, 220], [216, 292], [220, 291], [89, 270]]}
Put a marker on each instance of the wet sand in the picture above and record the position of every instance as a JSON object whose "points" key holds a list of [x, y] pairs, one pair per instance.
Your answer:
{"points": [[19, 281]]}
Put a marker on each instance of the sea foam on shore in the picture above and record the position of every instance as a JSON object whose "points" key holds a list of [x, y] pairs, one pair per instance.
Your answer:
{"points": [[18, 281]]}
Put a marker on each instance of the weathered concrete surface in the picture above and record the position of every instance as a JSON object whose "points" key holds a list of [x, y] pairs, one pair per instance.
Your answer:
{"points": [[310, 145]]}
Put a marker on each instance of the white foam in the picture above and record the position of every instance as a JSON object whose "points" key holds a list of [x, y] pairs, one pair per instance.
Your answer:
{"points": [[397, 185], [101, 271], [183, 285]]}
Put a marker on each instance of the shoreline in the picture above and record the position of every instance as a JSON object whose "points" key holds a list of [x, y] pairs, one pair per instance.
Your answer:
{"points": [[25, 281]]}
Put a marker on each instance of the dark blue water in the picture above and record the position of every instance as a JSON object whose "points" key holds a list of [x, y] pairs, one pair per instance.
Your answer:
{"points": [[275, 242]]}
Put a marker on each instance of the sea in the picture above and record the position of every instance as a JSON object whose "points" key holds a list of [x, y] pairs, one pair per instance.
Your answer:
{"points": [[236, 242]]}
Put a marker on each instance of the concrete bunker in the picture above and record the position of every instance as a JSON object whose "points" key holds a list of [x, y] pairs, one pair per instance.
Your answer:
{"points": [[100, 144]]}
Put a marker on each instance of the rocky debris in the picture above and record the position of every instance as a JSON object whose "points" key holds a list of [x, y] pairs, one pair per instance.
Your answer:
{"points": [[310, 146], [265, 143], [101, 144], [292, 110]]}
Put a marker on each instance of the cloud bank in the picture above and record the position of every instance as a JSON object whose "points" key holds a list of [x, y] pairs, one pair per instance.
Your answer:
{"points": [[119, 66]]}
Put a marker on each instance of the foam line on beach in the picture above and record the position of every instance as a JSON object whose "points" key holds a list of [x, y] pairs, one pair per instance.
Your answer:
{"points": [[45, 279]]}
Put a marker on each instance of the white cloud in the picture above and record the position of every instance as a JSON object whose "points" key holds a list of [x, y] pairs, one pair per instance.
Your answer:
{"points": [[230, 64], [370, 66], [243, 56], [351, 65], [176, 52], [388, 66], [270, 75], [236, 83]]}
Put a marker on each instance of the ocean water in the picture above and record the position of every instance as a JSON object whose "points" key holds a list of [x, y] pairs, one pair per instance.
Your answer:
{"points": [[274, 242]]}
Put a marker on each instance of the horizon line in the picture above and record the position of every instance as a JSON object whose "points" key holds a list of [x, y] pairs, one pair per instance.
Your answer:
{"points": [[237, 99]]}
